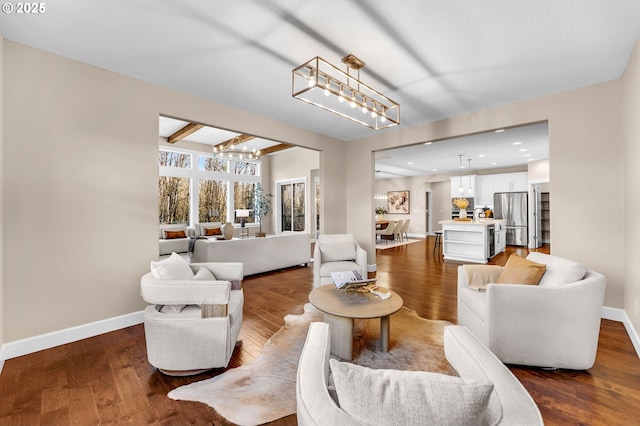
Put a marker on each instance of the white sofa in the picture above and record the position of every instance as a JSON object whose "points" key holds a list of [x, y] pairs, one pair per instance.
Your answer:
{"points": [[553, 324], [177, 245], [502, 399], [258, 254]]}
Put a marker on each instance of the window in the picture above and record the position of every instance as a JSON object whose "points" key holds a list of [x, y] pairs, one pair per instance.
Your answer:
{"points": [[175, 159], [212, 201], [212, 164], [196, 187], [174, 200], [292, 206], [243, 199]]}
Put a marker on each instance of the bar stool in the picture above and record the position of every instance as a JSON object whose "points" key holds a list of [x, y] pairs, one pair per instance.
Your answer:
{"points": [[437, 243]]}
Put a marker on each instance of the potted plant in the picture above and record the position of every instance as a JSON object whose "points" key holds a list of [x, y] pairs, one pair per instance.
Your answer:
{"points": [[380, 212], [261, 206]]}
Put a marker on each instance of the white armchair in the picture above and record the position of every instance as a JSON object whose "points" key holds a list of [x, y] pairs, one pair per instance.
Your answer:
{"points": [[335, 253], [553, 324], [192, 323]]}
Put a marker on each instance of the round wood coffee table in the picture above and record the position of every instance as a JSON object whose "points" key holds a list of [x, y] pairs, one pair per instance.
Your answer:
{"points": [[339, 313]]}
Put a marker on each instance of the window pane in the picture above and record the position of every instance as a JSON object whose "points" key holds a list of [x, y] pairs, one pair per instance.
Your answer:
{"points": [[286, 196], [213, 201], [212, 164], [250, 169], [174, 200], [298, 207], [175, 159], [243, 199]]}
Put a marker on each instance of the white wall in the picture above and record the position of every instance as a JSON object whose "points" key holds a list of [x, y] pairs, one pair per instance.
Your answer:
{"points": [[630, 204], [296, 163], [80, 172]]}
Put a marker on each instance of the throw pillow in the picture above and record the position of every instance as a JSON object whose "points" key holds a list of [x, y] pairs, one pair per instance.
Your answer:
{"points": [[204, 274], [409, 397], [559, 270], [337, 250], [172, 268], [519, 270], [170, 235], [171, 228], [170, 309], [212, 231]]}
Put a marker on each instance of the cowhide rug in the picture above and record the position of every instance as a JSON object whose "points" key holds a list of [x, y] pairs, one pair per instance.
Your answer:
{"points": [[264, 389]]}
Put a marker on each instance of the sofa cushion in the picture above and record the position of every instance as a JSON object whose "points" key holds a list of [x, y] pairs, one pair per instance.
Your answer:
{"points": [[519, 270], [382, 397], [172, 268], [337, 249], [170, 235], [559, 270], [200, 227]]}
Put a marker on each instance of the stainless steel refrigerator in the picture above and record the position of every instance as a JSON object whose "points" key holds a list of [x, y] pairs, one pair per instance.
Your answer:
{"points": [[513, 206]]}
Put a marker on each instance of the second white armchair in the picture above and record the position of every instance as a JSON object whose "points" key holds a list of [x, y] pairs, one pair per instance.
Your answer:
{"points": [[335, 253]]}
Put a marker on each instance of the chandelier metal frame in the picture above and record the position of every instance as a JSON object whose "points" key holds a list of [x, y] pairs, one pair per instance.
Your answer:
{"points": [[227, 150], [320, 83]]}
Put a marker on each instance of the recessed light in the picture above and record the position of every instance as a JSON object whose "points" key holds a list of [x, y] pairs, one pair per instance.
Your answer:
{"points": [[493, 164], [428, 143], [523, 149], [499, 130], [481, 155], [434, 170], [531, 159], [517, 143], [527, 155], [410, 163]]}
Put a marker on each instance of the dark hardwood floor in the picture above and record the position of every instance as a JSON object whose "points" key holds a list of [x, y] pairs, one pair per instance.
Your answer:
{"points": [[107, 380]]}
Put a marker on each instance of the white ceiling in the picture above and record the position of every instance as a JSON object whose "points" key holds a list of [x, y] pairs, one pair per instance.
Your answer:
{"points": [[436, 58]]}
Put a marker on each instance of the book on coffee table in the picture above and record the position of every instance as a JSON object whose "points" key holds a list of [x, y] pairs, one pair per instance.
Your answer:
{"points": [[347, 279]]}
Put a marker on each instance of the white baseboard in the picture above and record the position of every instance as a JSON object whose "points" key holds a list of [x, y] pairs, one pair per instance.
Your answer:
{"points": [[56, 338], [620, 315]]}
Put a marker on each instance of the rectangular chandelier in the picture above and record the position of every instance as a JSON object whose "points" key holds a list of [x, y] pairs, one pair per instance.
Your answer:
{"points": [[321, 84]]}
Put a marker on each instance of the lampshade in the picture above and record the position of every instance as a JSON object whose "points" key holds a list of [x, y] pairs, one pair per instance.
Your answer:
{"points": [[321, 84], [243, 213]]}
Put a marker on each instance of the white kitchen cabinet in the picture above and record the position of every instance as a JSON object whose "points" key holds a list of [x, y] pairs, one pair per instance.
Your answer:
{"points": [[484, 190], [466, 182], [511, 182]]}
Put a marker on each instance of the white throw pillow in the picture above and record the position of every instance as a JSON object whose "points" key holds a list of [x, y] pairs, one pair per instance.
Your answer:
{"points": [[204, 274], [172, 268], [337, 250], [559, 270], [382, 397]]}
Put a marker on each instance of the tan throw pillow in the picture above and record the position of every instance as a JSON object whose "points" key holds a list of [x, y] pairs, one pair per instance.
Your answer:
{"points": [[478, 276], [170, 235], [208, 232], [519, 270]]}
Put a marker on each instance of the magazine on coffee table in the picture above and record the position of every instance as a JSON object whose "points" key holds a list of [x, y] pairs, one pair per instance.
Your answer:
{"points": [[348, 279]]}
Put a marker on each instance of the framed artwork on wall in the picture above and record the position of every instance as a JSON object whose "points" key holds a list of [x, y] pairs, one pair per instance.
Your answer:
{"points": [[398, 202]]}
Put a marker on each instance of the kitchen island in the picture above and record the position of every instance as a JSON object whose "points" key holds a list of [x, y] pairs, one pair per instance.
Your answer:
{"points": [[474, 241]]}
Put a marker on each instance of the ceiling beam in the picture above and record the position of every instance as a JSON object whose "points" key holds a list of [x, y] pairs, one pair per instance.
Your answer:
{"points": [[184, 132], [275, 148], [241, 138]]}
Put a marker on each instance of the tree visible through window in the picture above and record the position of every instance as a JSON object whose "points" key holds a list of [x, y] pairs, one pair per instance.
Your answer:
{"points": [[174, 200], [243, 199], [213, 201]]}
